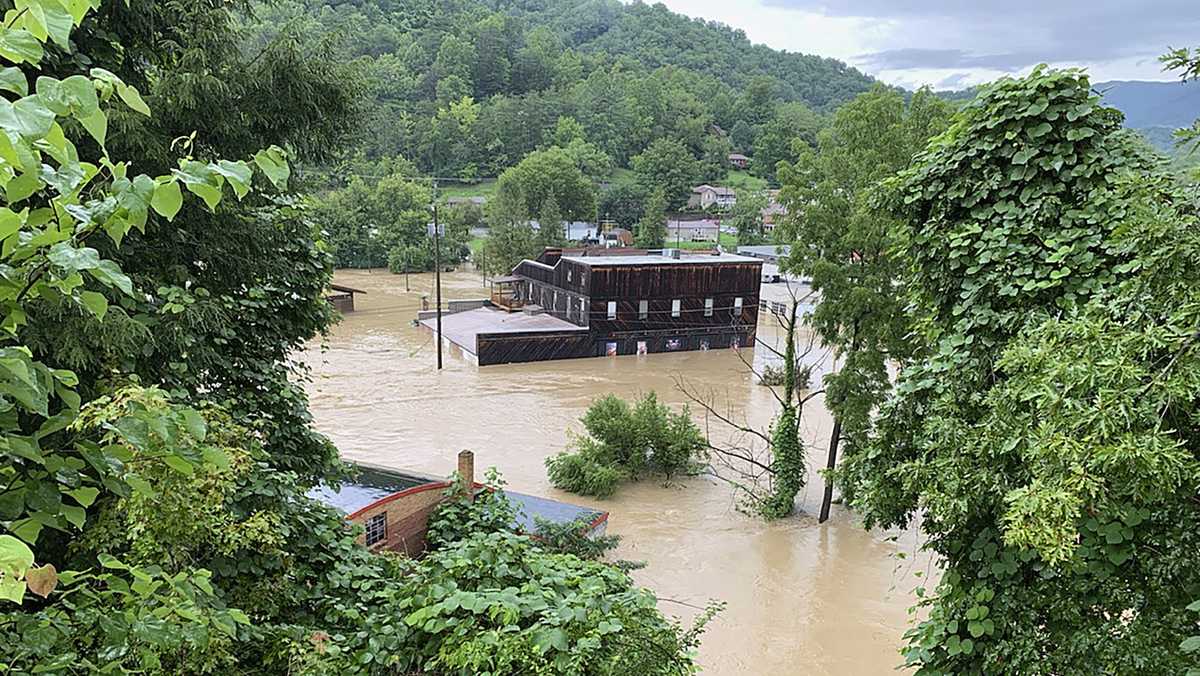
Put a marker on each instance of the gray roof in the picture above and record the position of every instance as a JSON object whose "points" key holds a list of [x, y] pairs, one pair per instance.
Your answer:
{"points": [[370, 485], [650, 259], [768, 251]]}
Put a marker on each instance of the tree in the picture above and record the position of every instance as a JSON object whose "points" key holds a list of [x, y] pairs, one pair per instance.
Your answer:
{"points": [[1188, 62], [623, 202], [1044, 432], [651, 231], [524, 189], [368, 218], [747, 218], [847, 247], [627, 442], [550, 225], [714, 158], [669, 165], [507, 245], [793, 128]]}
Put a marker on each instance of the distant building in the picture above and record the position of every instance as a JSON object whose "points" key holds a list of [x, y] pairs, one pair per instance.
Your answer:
{"points": [[738, 160], [572, 303], [705, 196], [693, 230], [342, 297], [616, 237], [773, 212]]}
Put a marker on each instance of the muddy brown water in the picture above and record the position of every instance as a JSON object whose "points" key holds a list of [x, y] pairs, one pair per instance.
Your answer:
{"points": [[802, 598]]}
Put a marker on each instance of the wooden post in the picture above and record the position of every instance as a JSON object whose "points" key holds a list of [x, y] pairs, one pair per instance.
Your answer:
{"points": [[833, 449]]}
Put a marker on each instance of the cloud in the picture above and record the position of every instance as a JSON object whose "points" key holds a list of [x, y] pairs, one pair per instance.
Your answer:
{"points": [[1008, 36]]}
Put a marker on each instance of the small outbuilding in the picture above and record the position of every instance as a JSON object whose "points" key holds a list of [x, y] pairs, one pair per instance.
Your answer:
{"points": [[342, 297]]}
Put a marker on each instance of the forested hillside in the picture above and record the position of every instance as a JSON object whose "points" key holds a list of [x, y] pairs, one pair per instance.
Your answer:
{"points": [[467, 88]]}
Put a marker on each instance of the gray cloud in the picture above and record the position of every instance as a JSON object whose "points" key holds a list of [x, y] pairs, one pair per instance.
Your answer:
{"points": [[989, 34]]}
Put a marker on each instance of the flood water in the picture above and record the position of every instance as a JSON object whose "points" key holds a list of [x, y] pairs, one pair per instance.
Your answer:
{"points": [[802, 598]]}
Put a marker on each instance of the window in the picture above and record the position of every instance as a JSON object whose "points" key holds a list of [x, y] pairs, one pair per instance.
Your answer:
{"points": [[376, 529], [708, 307], [643, 309], [676, 306], [582, 309], [568, 274], [737, 308], [612, 309]]}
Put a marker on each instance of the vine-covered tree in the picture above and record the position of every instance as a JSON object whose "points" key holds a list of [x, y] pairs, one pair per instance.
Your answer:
{"points": [[1045, 435], [848, 247], [668, 165]]}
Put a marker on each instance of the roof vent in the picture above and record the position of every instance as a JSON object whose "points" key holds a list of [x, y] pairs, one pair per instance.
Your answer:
{"points": [[670, 253]]}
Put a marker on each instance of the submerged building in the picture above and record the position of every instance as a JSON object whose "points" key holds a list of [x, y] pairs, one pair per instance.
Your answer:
{"points": [[394, 507], [572, 303]]}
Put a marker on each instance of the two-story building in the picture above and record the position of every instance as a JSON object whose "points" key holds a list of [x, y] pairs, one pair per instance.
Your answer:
{"points": [[706, 196], [571, 303]]}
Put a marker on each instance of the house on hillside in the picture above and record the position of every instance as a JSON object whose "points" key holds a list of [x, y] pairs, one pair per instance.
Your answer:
{"points": [[705, 196], [773, 212], [571, 303], [738, 161]]}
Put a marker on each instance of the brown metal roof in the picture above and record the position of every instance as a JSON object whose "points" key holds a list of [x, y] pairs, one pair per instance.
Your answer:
{"points": [[345, 289]]}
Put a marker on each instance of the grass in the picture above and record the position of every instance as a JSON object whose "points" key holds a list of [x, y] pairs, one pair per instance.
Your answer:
{"points": [[742, 180], [728, 242], [485, 188]]}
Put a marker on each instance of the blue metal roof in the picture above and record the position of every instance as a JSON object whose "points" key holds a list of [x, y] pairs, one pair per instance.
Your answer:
{"points": [[368, 486], [530, 506]]}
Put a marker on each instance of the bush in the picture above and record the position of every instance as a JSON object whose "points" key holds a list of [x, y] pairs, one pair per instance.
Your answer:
{"points": [[773, 375], [498, 603], [583, 473], [461, 516], [626, 442], [574, 538]]}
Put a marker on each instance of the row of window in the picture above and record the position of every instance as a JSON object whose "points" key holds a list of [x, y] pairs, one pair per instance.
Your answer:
{"points": [[676, 308]]}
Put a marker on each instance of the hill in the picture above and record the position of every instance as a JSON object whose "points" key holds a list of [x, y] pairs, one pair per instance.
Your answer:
{"points": [[466, 88]]}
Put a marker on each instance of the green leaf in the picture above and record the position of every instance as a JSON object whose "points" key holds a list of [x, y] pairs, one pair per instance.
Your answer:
{"points": [[96, 124], [238, 174], [133, 99], [13, 80], [195, 424], [26, 529], [1040, 130], [179, 464], [95, 302], [274, 165], [75, 515], [84, 495], [19, 45], [72, 258], [12, 589], [167, 200], [58, 22], [109, 274], [1190, 645], [207, 192], [21, 187], [15, 556]]}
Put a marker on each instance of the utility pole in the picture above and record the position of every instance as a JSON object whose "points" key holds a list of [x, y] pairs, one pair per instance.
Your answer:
{"points": [[437, 274]]}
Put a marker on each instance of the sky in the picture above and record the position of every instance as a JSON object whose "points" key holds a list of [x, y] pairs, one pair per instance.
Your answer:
{"points": [[952, 44]]}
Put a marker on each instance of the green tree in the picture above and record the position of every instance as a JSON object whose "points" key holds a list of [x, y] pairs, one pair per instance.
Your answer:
{"points": [[623, 202], [747, 218], [651, 231], [523, 190], [1045, 433], [550, 225], [668, 165], [793, 128], [848, 247], [368, 218]]}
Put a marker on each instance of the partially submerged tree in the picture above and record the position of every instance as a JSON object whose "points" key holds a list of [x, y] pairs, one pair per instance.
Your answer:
{"points": [[847, 247]]}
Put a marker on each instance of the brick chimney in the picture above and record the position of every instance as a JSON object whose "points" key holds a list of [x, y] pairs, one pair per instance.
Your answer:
{"points": [[466, 467]]}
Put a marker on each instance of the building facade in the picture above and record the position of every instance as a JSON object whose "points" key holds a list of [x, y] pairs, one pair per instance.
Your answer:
{"points": [[644, 302]]}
